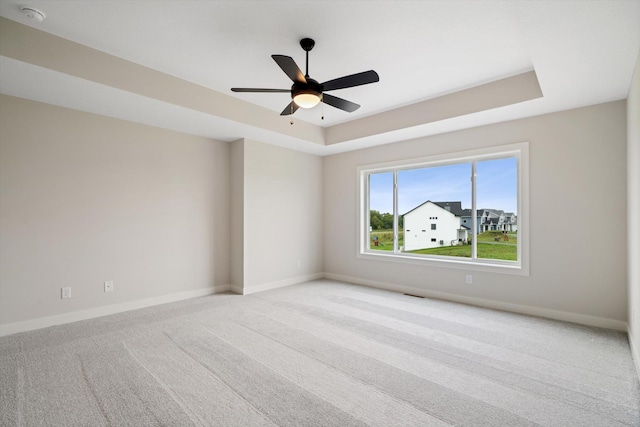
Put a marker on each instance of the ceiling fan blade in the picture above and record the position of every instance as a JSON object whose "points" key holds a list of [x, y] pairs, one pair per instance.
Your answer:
{"points": [[249, 89], [357, 79], [340, 103], [290, 68], [290, 109]]}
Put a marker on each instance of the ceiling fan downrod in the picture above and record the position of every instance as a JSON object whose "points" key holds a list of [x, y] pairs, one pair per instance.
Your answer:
{"points": [[307, 44]]}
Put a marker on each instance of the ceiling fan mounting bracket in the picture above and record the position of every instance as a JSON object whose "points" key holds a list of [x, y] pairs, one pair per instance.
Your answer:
{"points": [[307, 44]]}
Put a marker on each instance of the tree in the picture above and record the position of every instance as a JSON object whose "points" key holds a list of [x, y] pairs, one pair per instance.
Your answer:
{"points": [[387, 221], [382, 221], [375, 221]]}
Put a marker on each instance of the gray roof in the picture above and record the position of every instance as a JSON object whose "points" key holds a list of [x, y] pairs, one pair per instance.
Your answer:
{"points": [[453, 207], [456, 209]]}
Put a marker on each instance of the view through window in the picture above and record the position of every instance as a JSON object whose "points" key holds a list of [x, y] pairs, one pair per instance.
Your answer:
{"points": [[461, 209]]}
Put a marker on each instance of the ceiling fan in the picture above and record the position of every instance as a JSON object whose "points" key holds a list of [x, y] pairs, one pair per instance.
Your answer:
{"points": [[307, 92]]}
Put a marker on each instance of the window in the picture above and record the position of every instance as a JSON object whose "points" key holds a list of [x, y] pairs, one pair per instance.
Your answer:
{"points": [[479, 198]]}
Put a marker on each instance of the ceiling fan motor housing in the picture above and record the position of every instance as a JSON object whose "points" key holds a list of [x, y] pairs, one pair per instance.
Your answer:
{"points": [[312, 87]]}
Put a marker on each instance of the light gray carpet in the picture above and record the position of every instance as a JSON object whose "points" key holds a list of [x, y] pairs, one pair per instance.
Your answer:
{"points": [[320, 353]]}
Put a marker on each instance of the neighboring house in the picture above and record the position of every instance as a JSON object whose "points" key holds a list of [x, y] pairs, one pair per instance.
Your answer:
{"points": [[497, 220], [491, 220], [467, 221], [434, 224]]}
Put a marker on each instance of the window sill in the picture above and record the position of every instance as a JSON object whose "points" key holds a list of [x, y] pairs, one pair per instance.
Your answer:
{"points": [[501, 267]]}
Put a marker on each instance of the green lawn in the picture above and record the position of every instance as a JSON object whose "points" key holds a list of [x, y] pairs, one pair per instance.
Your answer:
{"points": [[385, 240], [491, 236], [485, 250], [488, 246]]}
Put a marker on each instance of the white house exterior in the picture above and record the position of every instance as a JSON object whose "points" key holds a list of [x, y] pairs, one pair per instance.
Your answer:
{"points": [[433, 224]]}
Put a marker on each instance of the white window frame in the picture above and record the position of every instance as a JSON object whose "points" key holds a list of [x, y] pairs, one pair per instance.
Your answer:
{"points": [[520, 267]]}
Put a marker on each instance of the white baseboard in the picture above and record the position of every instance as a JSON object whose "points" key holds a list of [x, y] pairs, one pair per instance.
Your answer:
{"points": [[278, 284], [236, 289], [59, 319], [74, 316], [582, 319]]}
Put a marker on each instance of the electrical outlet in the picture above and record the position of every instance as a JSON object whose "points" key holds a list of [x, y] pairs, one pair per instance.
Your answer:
{"points": [[108, 286], [469, 279], [66, 292]]}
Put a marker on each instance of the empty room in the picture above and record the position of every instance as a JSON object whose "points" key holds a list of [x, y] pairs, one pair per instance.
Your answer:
{"points": [[319, 213]]}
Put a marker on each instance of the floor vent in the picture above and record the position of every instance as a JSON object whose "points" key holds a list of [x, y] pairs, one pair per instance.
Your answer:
{"points": [[415, 296]]}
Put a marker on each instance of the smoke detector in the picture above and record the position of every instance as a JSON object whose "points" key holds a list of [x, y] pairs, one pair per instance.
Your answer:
{"points": [[33, 14]]}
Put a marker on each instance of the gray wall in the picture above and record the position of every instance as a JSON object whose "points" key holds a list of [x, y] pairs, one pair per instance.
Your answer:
{"points": [[633, 190], [282, 216], [236, 244], [577, 169], [85, 199]]}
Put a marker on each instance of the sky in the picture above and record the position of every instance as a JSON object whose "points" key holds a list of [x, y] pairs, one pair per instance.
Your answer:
{"points": [[496, 186]]}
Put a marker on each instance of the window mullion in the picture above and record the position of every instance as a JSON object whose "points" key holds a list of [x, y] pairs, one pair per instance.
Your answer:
{"points": [[367, 216], [395, 211], [474, 214]]}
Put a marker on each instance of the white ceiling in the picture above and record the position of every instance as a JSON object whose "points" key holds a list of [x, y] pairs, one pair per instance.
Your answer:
{"points": [[583, 53]]}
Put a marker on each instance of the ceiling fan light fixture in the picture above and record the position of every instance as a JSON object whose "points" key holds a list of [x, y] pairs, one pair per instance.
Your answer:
{"points": [[307, 99]]}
